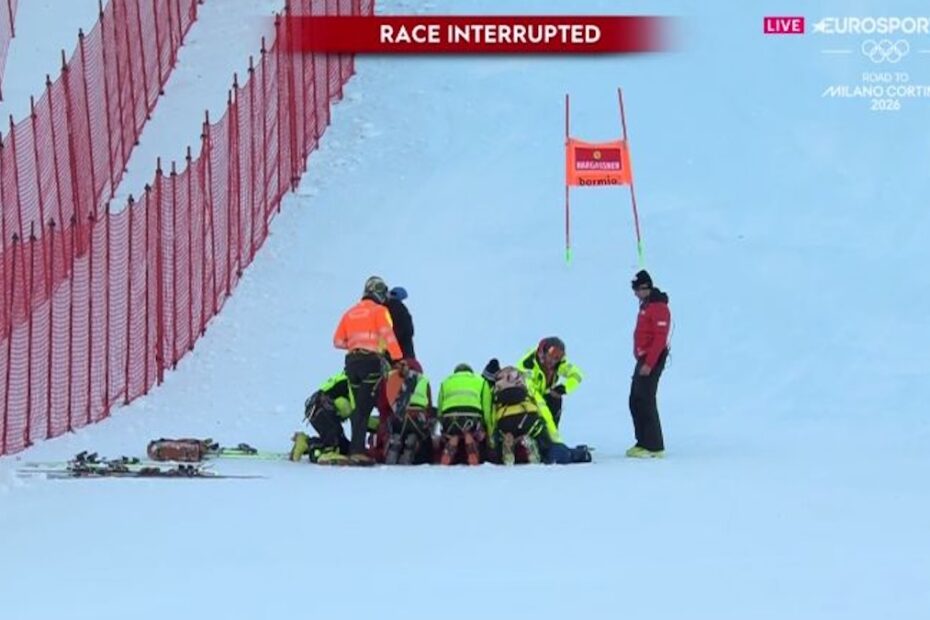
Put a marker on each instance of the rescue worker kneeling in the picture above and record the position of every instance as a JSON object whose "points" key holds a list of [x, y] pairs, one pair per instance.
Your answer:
{"points": [[326, 410], [406, 411], [464, 404], [518, 425]]}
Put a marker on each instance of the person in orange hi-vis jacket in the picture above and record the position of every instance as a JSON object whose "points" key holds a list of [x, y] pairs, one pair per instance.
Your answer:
{"points": [[367, 333]]}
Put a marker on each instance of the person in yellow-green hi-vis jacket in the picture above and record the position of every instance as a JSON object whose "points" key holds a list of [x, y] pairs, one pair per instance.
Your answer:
{"points": [[549, 374], [326, 410], [464, 404]]}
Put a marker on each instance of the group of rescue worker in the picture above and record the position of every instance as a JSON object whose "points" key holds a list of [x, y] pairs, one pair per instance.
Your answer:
{"points": [[501, 415]]}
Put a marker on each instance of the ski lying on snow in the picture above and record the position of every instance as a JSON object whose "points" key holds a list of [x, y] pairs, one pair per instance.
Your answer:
{"points": [[98, 470]]}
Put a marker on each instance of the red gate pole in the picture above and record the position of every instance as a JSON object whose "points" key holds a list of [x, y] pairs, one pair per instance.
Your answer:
{"points": [[568, 239], [639, 239]]}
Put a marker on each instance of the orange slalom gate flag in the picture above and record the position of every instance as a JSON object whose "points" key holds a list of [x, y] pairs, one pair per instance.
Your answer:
{"points": [[597, 163]]}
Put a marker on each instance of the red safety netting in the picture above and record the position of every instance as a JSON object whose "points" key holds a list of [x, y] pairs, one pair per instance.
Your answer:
{"points": [[95, 311], [67, 156]]}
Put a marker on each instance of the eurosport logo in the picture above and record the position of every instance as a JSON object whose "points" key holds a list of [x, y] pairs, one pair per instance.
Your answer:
{"points": [[886, 25]]}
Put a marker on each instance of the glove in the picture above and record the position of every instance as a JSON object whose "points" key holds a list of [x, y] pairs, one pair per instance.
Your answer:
{"points": [[558, 391]]}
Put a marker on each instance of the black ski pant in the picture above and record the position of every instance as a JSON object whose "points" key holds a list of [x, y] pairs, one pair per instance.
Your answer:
{"points": [[643, 405], [364, 370], [555, 407], [326, 421]]}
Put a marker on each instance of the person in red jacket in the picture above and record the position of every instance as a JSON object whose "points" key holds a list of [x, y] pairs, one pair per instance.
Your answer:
{"points": [[650, 348], [367, 334]]}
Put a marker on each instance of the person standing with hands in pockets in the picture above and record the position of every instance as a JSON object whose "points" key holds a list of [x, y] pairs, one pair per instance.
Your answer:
{"points": [[650, 348]]}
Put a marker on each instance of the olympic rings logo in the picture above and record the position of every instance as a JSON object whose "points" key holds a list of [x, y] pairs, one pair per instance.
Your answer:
{"points": [[885, 50]]}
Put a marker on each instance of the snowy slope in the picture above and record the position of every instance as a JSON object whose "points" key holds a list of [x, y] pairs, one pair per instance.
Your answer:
{"points": [[790, 233], [43, 29]]}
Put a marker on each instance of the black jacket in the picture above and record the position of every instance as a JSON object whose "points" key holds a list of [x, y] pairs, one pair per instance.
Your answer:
{"points": [[403, 326]]}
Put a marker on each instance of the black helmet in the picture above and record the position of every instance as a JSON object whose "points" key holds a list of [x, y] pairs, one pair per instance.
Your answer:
{"points": [[551, 351], [463, 368], [375, 289]]}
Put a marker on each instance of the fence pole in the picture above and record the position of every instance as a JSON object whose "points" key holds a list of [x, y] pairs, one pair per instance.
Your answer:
{"points": [[193, 15], [253, 154], [280, 99], [39, 193], [3, 216], [51, 330], [90, 133], [91, 226], [72, 151], [171, 38], [158, 41], [264, 146], [59, 200], [292, 102], [237, 176], [9, 351], [204, 159], [132, 81], [146, 228], [145, 70], [106, 334], [19, 200], [211, 211], [27, 306], [120, 88], [174, 265], [19, 197], [159, 278], [71, 234], [190, 253], [129, 265], [106, 99], [316, 104]]}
